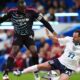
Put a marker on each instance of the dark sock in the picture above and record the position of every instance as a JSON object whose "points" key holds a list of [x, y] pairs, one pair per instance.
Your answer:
{"points": [[5, 72], [36, 73]]}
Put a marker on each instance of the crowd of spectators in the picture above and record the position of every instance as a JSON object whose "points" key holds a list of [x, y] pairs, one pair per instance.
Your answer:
{"points": [[48, 7], [58, 5]]}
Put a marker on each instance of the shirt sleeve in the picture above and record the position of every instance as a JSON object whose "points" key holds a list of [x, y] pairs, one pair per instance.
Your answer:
{"points": [[46, 24], [65, 40], [37, 16]]}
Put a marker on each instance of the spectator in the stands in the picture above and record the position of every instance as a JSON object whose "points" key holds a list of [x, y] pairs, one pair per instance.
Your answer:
{"points": [[55, 4], [20, 63], [62, 5], [47, 49], [9, 41], [49, 4], [56, 49], [41, 10], [3, 38], [41, 56], [42, 42], [50, 15]]}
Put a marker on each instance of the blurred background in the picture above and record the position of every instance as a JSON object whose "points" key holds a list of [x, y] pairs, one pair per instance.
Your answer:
{"points": [[63, 15]]}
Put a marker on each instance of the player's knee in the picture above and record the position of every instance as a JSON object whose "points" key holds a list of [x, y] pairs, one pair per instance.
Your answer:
{"points": [[33, 49], [64, 77], [44, 66]]}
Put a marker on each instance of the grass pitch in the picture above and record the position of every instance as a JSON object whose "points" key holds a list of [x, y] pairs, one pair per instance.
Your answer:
{"points": [[31, 77]]}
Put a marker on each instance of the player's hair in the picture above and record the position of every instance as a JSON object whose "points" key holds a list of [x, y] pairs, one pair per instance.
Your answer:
{"points": [[21, 2], [78, 31]]}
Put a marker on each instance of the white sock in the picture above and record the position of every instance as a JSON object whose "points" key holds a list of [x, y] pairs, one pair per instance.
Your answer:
{"points": [[30, 69]]}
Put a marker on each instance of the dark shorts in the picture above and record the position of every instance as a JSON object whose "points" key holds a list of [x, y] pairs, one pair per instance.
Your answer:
{"points": [[23, 40], [56, 65], [27, 41]]}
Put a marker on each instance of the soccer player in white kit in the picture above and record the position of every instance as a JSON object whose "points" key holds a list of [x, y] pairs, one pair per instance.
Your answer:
{"points": [[67, 63]]}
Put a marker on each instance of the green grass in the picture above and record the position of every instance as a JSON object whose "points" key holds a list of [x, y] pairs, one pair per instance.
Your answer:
{"points": [[31, 77]]}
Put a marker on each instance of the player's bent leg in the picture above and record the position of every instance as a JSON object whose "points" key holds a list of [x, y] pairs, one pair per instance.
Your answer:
{"points": [[44, 66], [64, 76], [34, 68], [33, 49], [34, 59]]}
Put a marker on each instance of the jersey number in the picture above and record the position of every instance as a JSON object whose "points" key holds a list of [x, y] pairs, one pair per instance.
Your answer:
{"points": [[71, 55]]}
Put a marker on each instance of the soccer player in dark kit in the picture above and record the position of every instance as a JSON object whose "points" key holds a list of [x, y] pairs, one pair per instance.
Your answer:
{"points": [[22, 19]]}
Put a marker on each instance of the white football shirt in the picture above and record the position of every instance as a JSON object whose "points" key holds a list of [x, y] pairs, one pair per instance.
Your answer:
{"points": [[71, 56]]}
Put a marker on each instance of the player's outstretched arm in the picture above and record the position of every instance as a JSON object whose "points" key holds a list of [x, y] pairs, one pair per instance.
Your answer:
{"points": [[53, 37], [40, 18], [50, 36], [47, 25]]}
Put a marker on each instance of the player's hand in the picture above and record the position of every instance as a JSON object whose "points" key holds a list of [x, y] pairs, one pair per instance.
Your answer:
{"points": [[54, 34], [17, 73]]}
